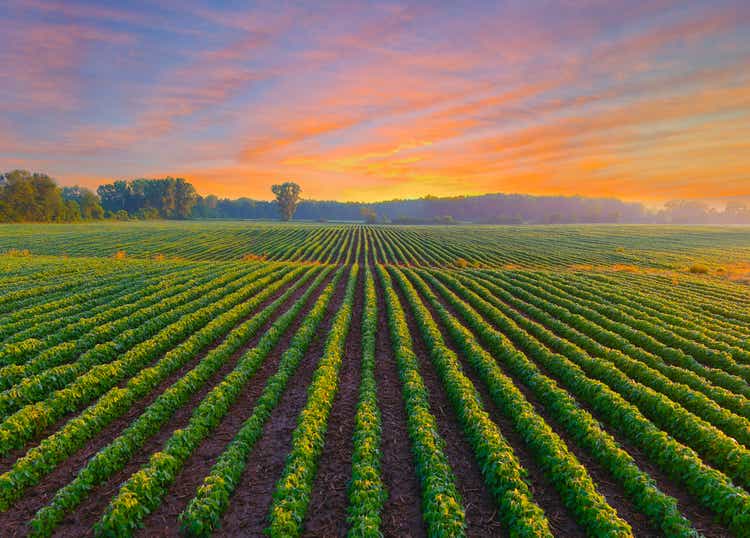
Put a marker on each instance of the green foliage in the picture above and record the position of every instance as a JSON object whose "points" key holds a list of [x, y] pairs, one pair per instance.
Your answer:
{"points": [[712, 488], [27, 197], [204, 511], [65, 388], [503, 473], [579, 424], [169, 198], [114, 456], [366, 489], [291, 496], [287, 197], [89, 206], [442, 508], [144, 490], [543, 319]]}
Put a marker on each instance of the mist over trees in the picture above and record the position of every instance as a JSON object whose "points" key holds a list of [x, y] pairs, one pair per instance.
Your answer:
{"points": [[35, 197], [485, 209]]}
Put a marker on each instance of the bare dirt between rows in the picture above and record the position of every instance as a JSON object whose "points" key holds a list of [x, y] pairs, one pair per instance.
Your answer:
{"points": [[326, 514], [89, 511], [544, 493], [248, 509], [481, 512], [164, 520], [7, 461], [401, 514], [701, 518]]}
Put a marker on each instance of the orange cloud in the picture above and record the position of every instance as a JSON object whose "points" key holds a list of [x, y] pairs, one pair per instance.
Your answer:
{"points": [[639, 100]]}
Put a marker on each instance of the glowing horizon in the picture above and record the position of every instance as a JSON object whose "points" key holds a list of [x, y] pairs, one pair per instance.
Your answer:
{"points": [[641, 101]]}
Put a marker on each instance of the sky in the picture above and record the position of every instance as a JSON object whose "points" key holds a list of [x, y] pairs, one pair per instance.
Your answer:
{"points": [[364, 101]]}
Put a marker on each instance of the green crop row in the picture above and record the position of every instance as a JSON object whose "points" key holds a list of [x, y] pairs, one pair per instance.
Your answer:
{"points": [[566, 473], [43, 458], [574, 330], [291, 496], [120, 314], [719, 449], [113, 457], [503, 473], [144, 490], [442, 508], [366, 489], [204, 511], [710, 487], [578, 423], [669, 355], [32, 419]]}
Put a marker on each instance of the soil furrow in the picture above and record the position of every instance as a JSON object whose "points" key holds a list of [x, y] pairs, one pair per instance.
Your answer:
{"points": [[89, 511], [701, 518], [326, 515], [401, 515], [164, 520], [246, 515], [481, 512]]}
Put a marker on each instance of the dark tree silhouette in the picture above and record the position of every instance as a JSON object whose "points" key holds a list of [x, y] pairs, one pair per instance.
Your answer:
{"points": [[287, 196]]}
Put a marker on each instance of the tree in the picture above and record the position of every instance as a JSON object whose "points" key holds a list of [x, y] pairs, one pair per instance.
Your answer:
{"points": [[27, 197], [72, 211], [114, 196], [169, 198], [369, 214], [185, 198], [89, 206], [287, 196]]}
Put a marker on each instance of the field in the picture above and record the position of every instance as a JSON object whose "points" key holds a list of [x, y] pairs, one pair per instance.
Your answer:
{"points": [[242, 378]]}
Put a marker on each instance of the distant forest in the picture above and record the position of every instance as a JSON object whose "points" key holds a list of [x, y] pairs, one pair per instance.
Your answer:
{"points": [[483, 209], [27, 197]]}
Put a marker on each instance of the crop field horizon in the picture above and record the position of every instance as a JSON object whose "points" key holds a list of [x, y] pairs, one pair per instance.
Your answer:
{"points": [[237, 378]]}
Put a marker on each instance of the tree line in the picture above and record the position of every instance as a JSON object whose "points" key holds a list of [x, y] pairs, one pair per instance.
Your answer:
{"points": [[27, 197], [483, 209], [167, 198], [35, 197]]}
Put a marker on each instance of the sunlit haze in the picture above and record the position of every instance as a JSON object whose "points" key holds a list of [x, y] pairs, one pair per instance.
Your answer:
{"points": [[640, 100]]}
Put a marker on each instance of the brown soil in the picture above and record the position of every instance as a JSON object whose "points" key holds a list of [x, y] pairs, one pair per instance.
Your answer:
{"points": [[6, 462], [481, 512], [561, 521], [701, 518], [246, 515], [89, 511], [326, 514], [402, 515], [164, 520]]}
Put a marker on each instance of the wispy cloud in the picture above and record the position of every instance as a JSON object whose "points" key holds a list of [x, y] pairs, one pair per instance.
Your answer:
{"points": [[644, 100]]}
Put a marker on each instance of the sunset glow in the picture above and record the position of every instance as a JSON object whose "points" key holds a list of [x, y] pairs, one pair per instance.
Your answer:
{"points": [[641, 100]]}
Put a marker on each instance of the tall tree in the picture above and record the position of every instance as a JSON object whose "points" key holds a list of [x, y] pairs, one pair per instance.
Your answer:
{"points": [[287, 196], [114, 196], [185, 198], [27, 197], [89, 206], [170, 198]]}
